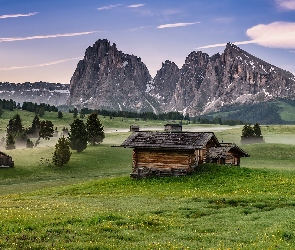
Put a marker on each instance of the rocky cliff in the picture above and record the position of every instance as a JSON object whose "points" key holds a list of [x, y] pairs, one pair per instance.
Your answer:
{"points": [[109, 79]]}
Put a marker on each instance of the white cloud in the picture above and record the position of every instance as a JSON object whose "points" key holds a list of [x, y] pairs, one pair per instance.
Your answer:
{"points": [[273, 35], [12, 39], [292, 51], [43, 64], [223, 44], [108, 7], [174, 25], [18, 15], [136, 5], [286, 4]]}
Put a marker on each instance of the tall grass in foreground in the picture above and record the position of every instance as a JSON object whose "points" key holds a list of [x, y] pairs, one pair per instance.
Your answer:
{"points": [[218, 207]]}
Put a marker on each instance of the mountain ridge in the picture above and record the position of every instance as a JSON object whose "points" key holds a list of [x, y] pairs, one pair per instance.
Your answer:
{"points": [[107, 78]]}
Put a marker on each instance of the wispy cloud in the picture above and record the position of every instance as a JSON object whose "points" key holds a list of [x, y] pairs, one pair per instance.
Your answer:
{"points": [[174, 25], [140, 28], [18, 15], [286, 4], [12, 39], [136, 5], [273, 35], [292, 51], [223, 44], [43, 64], [108, 7]]}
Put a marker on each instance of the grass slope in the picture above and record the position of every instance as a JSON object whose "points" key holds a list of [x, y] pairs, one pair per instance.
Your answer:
{"points": [[218, 207], [93, 204]]}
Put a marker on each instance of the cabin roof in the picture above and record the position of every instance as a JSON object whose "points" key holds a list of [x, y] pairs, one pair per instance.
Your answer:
{"points": [[3, 155], [221, 152], [173, 125], [169, 140]]}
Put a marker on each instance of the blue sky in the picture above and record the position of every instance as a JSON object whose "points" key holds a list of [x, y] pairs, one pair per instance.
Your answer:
{"points": [[43, 40]]}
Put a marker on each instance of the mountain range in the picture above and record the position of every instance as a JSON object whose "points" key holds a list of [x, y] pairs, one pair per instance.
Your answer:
{"points": [[107, 78]]}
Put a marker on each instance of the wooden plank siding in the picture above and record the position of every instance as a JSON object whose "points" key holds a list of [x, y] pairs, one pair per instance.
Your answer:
{"points": [[164, 159]]}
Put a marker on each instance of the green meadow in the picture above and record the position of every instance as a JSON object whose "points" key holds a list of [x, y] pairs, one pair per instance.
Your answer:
{"points": [[92, 203]]}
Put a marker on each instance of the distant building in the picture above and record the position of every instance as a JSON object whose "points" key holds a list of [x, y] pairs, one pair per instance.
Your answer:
{"points": [[6, 161], [134, 128], [172, 127]]}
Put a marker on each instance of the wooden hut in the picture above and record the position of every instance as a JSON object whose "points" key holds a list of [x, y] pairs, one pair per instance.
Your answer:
{"points": [[6, 161], [168, 153], [227, 153], [134, 128], [172, 127]]}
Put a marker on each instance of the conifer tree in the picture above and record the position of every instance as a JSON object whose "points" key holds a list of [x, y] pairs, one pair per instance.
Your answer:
{"points": [[94, 129], [59, 114], [35, 127], [247, 131], [29, 144], [78, 136], [10, 142], [15, 125], [62, 153], [257, 130], [75, 113]]}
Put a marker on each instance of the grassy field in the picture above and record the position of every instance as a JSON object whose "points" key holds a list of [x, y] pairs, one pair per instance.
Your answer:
{"points": [[93, 204]]}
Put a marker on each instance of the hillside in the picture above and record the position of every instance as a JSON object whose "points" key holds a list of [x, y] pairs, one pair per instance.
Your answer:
{"points": [[278, 111]]}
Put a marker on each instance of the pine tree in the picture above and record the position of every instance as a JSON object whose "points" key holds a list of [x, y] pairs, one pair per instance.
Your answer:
{"points": [[10, 142], [257, 130], [29, 144], [94, 129], [78, 136], [75, 113], [46, 129], [15, 125], [247, 131], [62, 153], [35, 127], [59, 114]]}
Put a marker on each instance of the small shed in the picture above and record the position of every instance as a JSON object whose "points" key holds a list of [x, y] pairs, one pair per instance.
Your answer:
{"points": [[227, 153], [134, 128], [6, 161], [168, 153], [172, 127]]}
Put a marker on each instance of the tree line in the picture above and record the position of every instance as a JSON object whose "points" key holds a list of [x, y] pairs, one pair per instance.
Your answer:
{"points": [[28, 106], [77, 138], [173, 115]]}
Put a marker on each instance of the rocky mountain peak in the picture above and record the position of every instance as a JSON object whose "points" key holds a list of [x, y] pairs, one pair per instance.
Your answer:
{"points": [[107, 78]]}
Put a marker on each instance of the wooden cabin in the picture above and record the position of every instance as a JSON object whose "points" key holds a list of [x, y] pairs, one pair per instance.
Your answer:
{"points": [[172, 127], [134, 128], [168, 153], [227, 153], [6, 161]]}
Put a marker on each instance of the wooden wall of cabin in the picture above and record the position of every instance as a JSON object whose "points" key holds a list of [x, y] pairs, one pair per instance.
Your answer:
{"points": [[163, 159]]}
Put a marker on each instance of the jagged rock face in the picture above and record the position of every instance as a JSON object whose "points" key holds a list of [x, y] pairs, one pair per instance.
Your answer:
{"points": [[39, 92], [165, 82], [109, 79], [234, 77]]}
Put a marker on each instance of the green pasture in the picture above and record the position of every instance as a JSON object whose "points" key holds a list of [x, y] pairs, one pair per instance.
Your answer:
{"points": [[92, 203]]}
